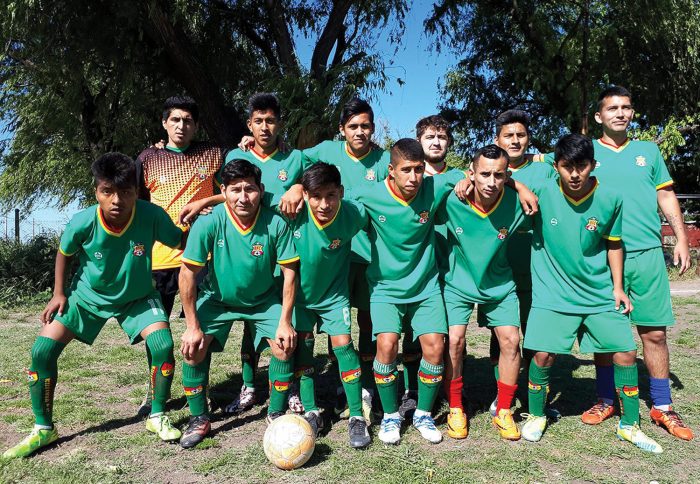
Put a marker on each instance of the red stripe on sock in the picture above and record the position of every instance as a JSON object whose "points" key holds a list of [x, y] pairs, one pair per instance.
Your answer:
{"points": [[506, 393]]}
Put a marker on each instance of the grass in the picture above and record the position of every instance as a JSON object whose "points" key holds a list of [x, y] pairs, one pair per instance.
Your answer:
{"points": [[100, 388]]}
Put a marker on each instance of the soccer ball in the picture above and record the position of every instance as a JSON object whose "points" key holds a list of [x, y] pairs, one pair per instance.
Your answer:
{"points": [[289, 442]]}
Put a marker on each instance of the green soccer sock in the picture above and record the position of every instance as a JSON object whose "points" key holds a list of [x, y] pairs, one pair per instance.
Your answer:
{"points": [[42, 376], [626, 384], [281, 373], [429, 380], [367, 350], [249, 358], [387, 385], [150, 386], [305, 372], [537, 388], [159, 345], [411, 360], [350, 375], [195, 380]]}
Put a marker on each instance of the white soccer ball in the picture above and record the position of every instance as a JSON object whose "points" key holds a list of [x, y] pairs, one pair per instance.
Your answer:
{"points": [[289, 442]]}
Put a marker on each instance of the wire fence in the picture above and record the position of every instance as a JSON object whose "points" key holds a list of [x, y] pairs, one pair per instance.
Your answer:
{"points": [[13, 226]]}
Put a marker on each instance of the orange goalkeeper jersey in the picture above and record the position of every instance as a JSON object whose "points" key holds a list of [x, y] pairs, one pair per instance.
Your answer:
{"points": [[171, 179]]}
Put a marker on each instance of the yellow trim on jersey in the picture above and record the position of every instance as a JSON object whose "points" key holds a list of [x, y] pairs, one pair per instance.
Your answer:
{"points": [[193, 262], [578, 202], [288, 261], [480, 212], [263, 159], [616, 149], [664, 184], [612, 238], [353, 157], [522, 165], [396, 196], [318, 224], [65, 253], [241, 229], [110, 232]]}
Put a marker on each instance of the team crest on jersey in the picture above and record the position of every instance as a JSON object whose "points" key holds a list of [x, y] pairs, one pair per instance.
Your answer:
{"points": [[351, 375], [640, 161], [192, 391], [592, 224], [335, 244], [32, 376], [381, 218], [424, 216], [202, 172], [98, 255], [281, 386], [257, 249], [138, 249], [502, 233], [282, 175], [380, 379], [370, 175], [459, 231], [166, 369], [429, 379], [534, 386]]}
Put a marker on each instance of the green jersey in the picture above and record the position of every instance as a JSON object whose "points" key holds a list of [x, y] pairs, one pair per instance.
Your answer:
{"points": [[325, 255], [354, 172], [279, 170], [402, 237], [114, 266], [242, 258], [441, 247], [479, 271], [570, 271]]}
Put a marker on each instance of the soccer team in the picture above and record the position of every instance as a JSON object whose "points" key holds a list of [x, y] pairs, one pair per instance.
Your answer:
{"points": [[287, 241]]}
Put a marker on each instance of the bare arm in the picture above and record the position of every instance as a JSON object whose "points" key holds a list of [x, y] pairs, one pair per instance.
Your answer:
{"points": [[193, 338], [668, 203], [58, 301], [190, 211], [292, 201], [616, 262], [286, 336]]}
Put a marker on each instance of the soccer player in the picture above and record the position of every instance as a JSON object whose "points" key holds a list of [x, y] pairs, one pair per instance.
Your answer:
{"points": [[487, 220], [577, 286], [113, 242], [322, 234], [647, 186], [251, 240]]}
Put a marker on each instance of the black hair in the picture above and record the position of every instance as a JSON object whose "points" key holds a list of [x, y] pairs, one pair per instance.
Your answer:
{"points": [[264, 101], [354, 107], [116, 169], [435, 121], [613, 91], [492, 152], [319, 175], [239, 169], [574, 148], [512, 116], [185, 103], [407, 149]]}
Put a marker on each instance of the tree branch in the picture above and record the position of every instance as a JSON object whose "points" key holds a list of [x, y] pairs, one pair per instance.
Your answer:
{"points": [[328, 37], [283, 38]]}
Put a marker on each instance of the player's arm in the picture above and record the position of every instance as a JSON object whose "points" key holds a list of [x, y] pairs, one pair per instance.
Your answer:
{"points": [[143, 192], [668, 203], [58, 300], [192, 340], [292, 201], [286, 337], [616, 261], [528, 200], [190, 211]]}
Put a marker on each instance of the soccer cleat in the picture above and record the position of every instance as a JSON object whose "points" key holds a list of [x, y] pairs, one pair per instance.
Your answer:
{"points": [[493, 407], [672, 422], [389, 430], [457, 424], [37, 439], [294, 402], [245, 401], [409, 402], [632, 433], [506, 425], [597, 413], [161, 426], [197, 428], [426, 426], [533, 428], [273, 416], [315, 420], [359, 436]]}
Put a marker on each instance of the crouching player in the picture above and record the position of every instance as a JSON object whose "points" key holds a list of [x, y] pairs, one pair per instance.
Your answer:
{"points": [[113, 242], [245, 241], [486, 220], [322, 233], [578, 287]]}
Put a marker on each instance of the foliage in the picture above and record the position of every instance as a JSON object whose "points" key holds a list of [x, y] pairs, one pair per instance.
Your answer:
{"points": [[27, 269]]}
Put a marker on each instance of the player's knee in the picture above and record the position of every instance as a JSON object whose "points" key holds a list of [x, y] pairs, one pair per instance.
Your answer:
{"points": [[655, 338], [625, 358], [433, 348], [282, 354], [543, 359], [510, 344], [387, 347], [456, 345]]}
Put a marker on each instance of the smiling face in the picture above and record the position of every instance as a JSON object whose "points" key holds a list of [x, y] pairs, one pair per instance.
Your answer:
{"points": [[181, 128], [358, 131], [515, 139], [615, 114], [243, 198], [115, 203]]}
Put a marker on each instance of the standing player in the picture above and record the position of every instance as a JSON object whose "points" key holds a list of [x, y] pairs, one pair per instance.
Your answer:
{"points": [[486, 221], [577, 281], [113, 242], [250, 239], [647, 186]]}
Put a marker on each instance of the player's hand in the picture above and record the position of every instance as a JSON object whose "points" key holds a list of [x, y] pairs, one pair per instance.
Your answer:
{"points": [[681, 256], [247, 142], [55, 306], [292, 202], [192, 342], [286, 337], [189, 212], [622, 299], [206, 211], [160, 144], [528, 201], [463, 188]]}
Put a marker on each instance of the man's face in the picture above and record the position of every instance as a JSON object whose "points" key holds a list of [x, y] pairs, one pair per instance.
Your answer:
{"points": [[489, 176], [615, 114], [408, 176], [358, 131], [514, 139], [324, 202], [574, 176], [243, 197], [265, 128], [181, 127], [116, 203], [435, 143]]}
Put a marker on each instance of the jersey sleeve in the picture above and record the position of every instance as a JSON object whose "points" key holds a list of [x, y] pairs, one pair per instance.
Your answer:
{"points": [[313, 155], [383, 166], [662, 178], [359, 215], [445, 183], [74, 235], [143, 192], [200, 241], [284, 243], [166, 231], [615, 231], [548, 158]]}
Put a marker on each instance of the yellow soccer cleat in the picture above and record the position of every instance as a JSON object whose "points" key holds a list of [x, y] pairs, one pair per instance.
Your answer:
{"points": [[632, 433], [163, 428], [37, 439], [457, 424], [506, 425]]}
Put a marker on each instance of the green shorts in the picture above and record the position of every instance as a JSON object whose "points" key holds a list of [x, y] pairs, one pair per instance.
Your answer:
{"points": [[216, 319], [555, 332], [503, 313], [333, 322], [86, 321], [415, 318], [646, 283], [359, 288]]}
